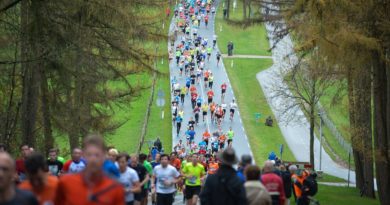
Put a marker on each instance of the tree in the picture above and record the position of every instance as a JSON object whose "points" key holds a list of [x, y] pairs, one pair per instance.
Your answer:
{"points": [[69, 53], [307, 81]]}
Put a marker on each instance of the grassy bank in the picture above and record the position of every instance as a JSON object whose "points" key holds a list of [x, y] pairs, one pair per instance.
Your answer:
{"points": [[251, 100]]}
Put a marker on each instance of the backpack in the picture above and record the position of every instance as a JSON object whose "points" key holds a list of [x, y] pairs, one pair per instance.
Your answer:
{"points": [[311, 183]]}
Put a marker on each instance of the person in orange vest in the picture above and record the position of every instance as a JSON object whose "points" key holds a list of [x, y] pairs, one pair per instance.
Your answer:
{"points": [[298, 185], [168, 11]]}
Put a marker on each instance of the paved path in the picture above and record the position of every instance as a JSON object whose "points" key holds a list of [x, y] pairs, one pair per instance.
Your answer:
{"points": [[240, 140], [246, 56], [296, 132]]}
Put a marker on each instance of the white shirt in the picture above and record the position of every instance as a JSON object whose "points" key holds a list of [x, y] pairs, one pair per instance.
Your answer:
{"points": [[233, 105], [168, 173], [214, 37], [127, 179]]}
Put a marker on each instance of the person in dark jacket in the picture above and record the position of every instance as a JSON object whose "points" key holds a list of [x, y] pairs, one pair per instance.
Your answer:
{"points": [[158, 144], [224, 187]]}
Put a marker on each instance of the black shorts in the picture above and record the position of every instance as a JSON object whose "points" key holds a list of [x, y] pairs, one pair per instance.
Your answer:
{"points": [[224, 111], [191, 191], [223, 91], [204, 113], [164, 198], [229, 141], [206, 79], [232, 111], [142, 195], [210, 100], [209, 54]]}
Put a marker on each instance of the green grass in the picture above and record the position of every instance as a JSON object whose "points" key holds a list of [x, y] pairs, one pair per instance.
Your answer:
{"points": [[330, 178], [251, 100], [250, 41], [342, 196], [338, 112]]}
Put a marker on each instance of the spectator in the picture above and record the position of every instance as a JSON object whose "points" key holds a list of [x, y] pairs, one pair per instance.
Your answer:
{"points": [[293, 169], [158, 144], [256, 193], [269, 121], [273, 183], [245, 161], [154, 151], [91, 186], [298, 186], [286, 177], [39, 180], [224, 187], [54, 165], [10, 195]]}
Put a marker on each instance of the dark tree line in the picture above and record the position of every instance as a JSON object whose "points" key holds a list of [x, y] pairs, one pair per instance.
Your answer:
{"points": [[57, 59]]}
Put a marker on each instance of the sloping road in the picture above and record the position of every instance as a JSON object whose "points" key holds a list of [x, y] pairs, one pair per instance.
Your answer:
{"points": [[240, 140]]}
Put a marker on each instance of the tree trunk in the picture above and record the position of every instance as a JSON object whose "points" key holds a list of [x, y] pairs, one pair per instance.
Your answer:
{"points": [[244, 3], [356, 151], [363, 122], [381, 103], [46, 114], [228, 9]]}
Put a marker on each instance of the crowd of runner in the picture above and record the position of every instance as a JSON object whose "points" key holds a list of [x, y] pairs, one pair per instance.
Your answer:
{"points": [[201, 169]]}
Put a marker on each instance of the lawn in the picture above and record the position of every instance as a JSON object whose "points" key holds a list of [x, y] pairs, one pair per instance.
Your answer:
{"points": [[342, 196], [251, 41], [251, 100]]}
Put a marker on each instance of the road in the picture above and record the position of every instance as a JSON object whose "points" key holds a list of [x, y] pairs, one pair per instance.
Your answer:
{"points": [[240, 140]]}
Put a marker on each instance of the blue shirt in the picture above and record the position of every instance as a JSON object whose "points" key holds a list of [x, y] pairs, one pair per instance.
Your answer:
{"points": [[111, 169], [215, 145]]}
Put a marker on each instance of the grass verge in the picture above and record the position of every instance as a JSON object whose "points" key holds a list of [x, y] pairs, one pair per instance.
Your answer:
{"points": [[251, 100], [250, 41]]}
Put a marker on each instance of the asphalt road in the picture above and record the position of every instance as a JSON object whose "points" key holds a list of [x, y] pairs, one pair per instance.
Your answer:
{"points": [[240, 140]]}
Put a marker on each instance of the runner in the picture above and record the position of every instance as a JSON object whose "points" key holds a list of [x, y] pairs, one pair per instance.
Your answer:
{"points": [[205, 108], [218, 55], [90, 186], [191, 123], [209, 50], [212, 111], [212, 166], [210, 95], [164, 179], [196, 113], [222, 140], [143, 178], [230, 135], [219, 114], [233, 107], [206, 78], [211, 80], [224, 106], [193, 173], [206, 20], [206, 137], [215, 43], [39, 182], [128, 178], [179, 119], [183, 93], [223, 91], [76, 164]]}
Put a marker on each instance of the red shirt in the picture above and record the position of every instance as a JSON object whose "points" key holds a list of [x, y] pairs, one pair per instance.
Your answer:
{"points": [[72, 190], [274, 185], [210, 93], [223, 86], [194, 96], [20, 166]]}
